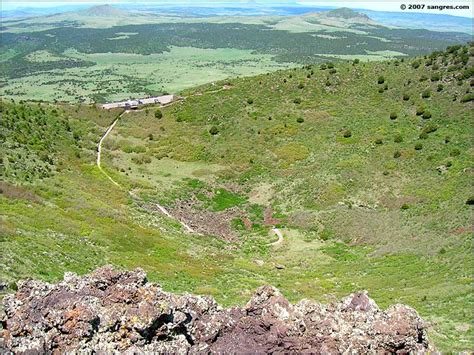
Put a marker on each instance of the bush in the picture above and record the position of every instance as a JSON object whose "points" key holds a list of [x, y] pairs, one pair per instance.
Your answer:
{"points": [[440, 87], [455, 152], [397, 154], [250, 101], [435, 77], [158, 114], [430, 128], [398, 138], [405, 206], [381, 90], [385, 87], [300, 86], [333, 71], [470, 201], [214, 130], [323, 66], [415, 64], [423, 135], [355, 61], [297, 101], [378, 141], [423, 78], [300, 120], [346, 133], [418, 146], [393, 116], [426, 115], [420, 110], [381, 79], [426, 93], [406, 97], [330, 65], [467, 97]]}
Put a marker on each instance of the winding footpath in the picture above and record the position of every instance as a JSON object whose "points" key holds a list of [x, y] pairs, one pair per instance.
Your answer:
{"points": [[160, 207], [131, 193]]}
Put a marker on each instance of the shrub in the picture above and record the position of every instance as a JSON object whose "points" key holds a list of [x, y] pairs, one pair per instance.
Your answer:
{"points": [[381, 79], [323, 66], [420, 110], [300, 86], [467, 97], [346, 133], [330, 65], [470, 201], [415, 64], [423, 135], [405, 206], [297, 100], [300, 120], [418, 146], [355, 61], [393, 115], [447, 139], [430, 128], [150, 136], [214, 130], [455, 152], [381, 90], [385, 87], [397, 154], [435, 77], [158, 114], [406, 97], [398, 138], [426, 115], [333, 71], [426, 93], [423, 78], [439, 88], [250, 101], [378, 141]]}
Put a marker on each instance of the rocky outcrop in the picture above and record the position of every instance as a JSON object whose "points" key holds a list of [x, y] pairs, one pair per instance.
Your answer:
{"points": [[109, 311]]}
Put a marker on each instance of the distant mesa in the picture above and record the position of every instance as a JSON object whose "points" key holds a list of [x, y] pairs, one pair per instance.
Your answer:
{"points": [[103, 10]]}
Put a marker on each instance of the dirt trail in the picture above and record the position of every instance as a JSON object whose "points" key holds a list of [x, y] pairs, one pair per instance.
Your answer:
{"points": [[161, 208], [131, 193], [279, 235]]}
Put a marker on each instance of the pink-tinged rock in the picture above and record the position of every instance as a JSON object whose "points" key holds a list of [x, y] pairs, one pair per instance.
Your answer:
{"points": [[110, 311]]}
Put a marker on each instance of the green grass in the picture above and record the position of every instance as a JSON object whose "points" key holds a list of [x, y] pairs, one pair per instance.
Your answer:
{"points": [[353, 216]]}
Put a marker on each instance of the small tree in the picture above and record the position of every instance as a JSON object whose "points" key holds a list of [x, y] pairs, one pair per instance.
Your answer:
{"points": [[381, 79], [393, 116], [158, 114], [426, 93], [426, 115], [300, 120], [397, 154], [406, 97], [347, 133], [214, 130], [419, 110], [418, 146], [250, 101]]}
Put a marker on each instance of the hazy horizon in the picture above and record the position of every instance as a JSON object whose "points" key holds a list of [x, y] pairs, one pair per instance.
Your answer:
{"points": [[388, 6]]}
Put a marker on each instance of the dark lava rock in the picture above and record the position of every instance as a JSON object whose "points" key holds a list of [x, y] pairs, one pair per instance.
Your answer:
{"points": [[112, 311]]}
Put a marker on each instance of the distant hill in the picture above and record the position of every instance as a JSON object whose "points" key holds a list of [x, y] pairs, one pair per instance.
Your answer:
{"points": [[103, 10], [346, 13]]}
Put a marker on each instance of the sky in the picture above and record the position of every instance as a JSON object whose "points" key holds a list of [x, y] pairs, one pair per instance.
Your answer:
{"points": [[377, 5]]}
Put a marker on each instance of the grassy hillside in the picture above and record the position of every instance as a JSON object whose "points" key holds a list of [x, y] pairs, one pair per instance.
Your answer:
{"points": [[365, 167]]}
